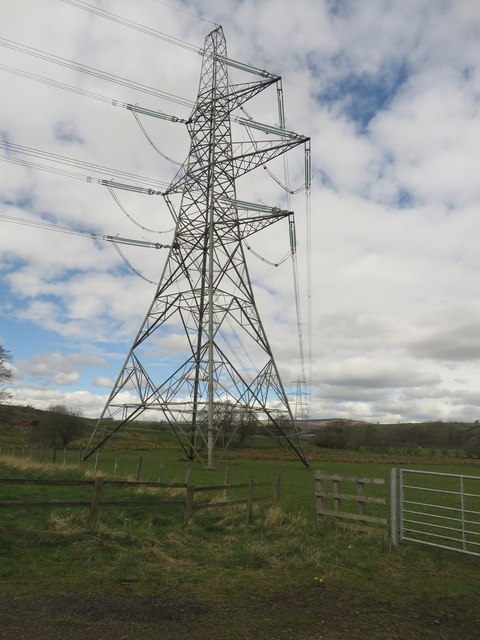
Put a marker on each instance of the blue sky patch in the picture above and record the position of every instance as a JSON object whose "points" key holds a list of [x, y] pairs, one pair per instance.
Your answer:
{"points": [[66, 131], [405, 199], [361, 96]]}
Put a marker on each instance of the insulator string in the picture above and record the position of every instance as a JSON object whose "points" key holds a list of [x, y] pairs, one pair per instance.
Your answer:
{"points": [[36, 77], [13, 148], [93, 235]]}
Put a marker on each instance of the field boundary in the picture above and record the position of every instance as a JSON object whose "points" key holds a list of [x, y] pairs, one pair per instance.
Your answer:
{"points": [[438, 509], [187, 501], [325, 499]]}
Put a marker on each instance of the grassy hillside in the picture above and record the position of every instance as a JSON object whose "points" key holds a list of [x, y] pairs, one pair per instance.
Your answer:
{"points": [[283, 576], [428, 439]]}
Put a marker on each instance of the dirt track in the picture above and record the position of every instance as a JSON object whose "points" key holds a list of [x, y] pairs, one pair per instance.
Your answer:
{"points": [[320, 615]]}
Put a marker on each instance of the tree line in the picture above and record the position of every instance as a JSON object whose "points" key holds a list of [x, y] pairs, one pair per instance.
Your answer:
{"points": [[6, 374], [445, 436], [57, 427]]}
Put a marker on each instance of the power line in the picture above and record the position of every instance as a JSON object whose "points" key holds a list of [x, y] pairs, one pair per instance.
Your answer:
{"points": [[134, 25], [50, 226], [188, 13], [92, 71], [131, 218], [130, 265], [148, 184], [36, 77], [145, 133], [165, 37]]}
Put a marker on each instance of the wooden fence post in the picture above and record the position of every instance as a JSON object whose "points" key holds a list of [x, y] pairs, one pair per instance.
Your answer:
{"points": [[361, 494], [95, 504], [187, 473], [276, 490], [337, 502], [321, 489], [97, 456], [139, 469], [226, 482], [189, 492], [360, 498], [249, 500], [160, 471]]}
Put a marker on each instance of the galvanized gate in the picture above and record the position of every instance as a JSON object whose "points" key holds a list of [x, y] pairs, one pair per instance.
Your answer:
{"points": [[436, 509]]}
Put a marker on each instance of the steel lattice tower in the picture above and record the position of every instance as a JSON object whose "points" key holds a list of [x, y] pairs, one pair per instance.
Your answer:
{"points": [[204, 303]]}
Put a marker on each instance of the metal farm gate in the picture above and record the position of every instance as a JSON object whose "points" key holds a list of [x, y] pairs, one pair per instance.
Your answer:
{"points": [[437, 509]]}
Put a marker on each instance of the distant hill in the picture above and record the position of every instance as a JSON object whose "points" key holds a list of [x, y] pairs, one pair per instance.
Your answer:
{"points": [[18, 417], [320, 423]]}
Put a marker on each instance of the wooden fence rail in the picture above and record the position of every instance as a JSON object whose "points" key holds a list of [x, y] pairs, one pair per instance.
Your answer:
{"points": [[51, 456], [97, 501], [324, 498]]}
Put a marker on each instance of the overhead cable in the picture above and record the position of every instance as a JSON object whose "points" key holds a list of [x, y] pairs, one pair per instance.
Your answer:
{"points": [[266, 260], [250, 123], [36, 77], [130, 265], [131, 218], [179, 164], [12, 149], [134, 25], [104, 75], [283, 186], [114, 17], [29, 164], [188, 13], [50, 226], [308, 234]]}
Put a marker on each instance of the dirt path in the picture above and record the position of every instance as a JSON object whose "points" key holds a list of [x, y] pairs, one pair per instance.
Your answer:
{"points": [[305, 615]]}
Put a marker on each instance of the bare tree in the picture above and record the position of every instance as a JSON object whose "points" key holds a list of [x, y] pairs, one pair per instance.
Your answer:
{"points": [[58, 427], [6, 374]]}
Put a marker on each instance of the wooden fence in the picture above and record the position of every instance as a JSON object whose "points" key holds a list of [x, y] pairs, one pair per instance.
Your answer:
{"points": [[74, 456], [187, 502], [329, 500]]}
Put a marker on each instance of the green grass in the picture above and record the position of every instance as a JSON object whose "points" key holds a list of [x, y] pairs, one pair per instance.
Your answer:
{"points": [[235, 580], [260, 465]]}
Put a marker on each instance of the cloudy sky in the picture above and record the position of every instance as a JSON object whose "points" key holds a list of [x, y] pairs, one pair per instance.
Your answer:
{"points": [[388, 91]]}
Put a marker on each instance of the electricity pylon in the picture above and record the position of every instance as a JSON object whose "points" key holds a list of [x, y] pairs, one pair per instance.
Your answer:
{"points": [[301, 401], [204, 312]]}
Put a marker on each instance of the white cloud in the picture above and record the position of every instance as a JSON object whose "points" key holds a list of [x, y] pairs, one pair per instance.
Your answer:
{"points": [[389, 93], [102, 381], [58, 368]]}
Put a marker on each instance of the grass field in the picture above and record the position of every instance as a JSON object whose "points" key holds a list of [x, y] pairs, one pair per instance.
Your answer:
{"points": [[284, 575]]}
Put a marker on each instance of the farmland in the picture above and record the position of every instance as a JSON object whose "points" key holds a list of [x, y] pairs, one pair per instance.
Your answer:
{"points": [[143, 573]]}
